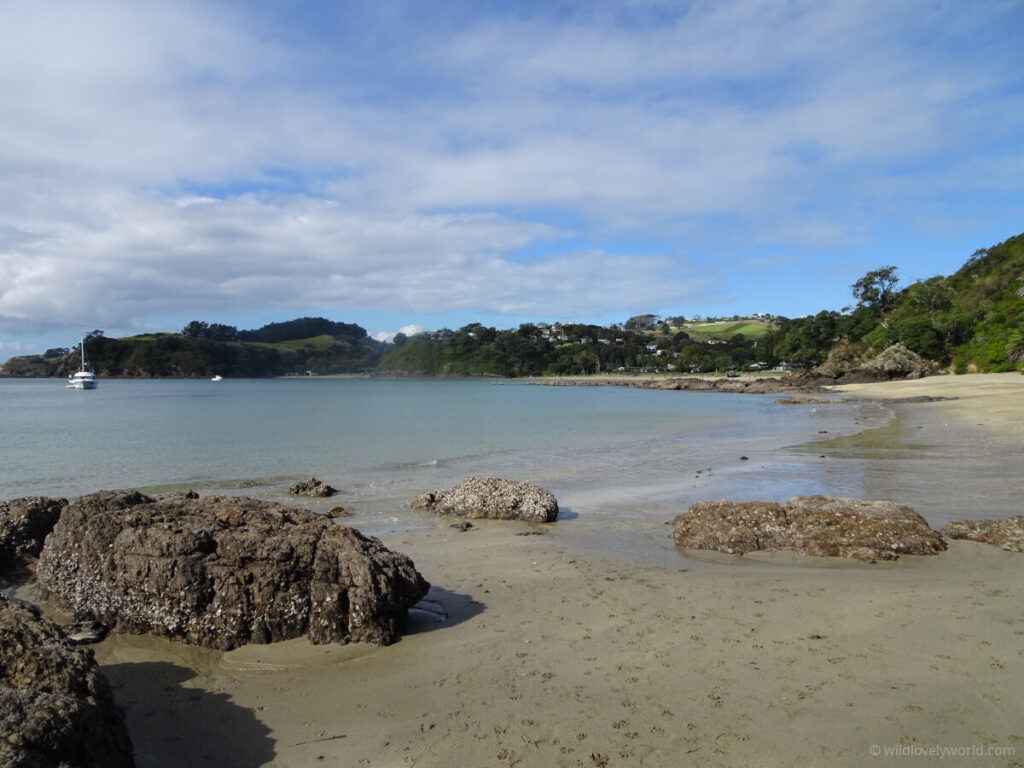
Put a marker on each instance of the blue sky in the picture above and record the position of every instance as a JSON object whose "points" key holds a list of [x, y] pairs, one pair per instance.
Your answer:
{"points": [[424, 165]]}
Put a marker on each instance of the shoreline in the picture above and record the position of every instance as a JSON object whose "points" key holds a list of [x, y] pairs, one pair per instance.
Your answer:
{"points": [[544, 659], [529, 651]]}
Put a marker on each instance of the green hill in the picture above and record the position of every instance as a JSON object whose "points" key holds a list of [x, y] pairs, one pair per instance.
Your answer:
{"points": [[970, 321], [752, 329], [192, 354]]}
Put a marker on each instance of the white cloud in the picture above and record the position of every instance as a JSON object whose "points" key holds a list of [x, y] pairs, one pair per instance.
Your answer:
{"points": [[163, 158], [408, 330]]}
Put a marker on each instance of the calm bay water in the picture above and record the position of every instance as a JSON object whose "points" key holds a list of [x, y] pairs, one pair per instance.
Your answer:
{"points": [[615, 457]]}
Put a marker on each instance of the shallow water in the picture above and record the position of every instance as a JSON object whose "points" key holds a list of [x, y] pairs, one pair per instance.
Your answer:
{"points": [[619, 460]]}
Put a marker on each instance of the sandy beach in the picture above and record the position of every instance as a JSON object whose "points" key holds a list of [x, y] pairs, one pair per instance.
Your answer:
{"points": [[530, 652]]}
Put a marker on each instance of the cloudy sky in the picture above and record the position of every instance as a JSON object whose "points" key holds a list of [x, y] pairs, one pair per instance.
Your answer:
{"points": [[430, 164]]}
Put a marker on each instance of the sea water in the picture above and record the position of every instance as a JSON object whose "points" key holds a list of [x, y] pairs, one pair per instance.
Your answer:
{"points": [[618, 459]]}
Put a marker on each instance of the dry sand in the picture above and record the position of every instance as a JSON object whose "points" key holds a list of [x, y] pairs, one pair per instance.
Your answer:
{"points": [[529, 653]]}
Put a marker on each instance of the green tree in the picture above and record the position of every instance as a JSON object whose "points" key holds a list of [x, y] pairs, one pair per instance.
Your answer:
{"points": [[195, 330], [876, 290], [641, 322]]}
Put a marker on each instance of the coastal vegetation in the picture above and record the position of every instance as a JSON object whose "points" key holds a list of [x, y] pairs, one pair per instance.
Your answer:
{"points": [[972, 320], [202, 350]]}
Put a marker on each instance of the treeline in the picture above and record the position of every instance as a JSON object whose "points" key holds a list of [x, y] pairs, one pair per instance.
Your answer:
{"points": [[539, 350], [972, 320], [291, 330], [203, 350]]}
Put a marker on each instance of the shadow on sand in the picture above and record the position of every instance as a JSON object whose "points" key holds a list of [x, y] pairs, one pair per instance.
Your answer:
{"points": [[441, 608], [173, 725]]}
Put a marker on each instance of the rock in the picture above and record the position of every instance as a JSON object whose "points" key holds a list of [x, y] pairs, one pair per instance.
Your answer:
{"points": [[55, 706], [85, 632], [337, 512], [843, 357], [807, 400], [1007, 533], [24, 524], [491, 497], [897, 362], [312, 487], [462, 525], [824, 526], [223, 571]]}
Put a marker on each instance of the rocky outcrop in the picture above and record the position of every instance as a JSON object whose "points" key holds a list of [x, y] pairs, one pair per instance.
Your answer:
{"points": [[56, 708], [744, 385], [897, 362], [824, 526], [1007, 533], [851, 363], [24, 524], [809, 400], [224, 571], [312, 487], [492, 497]]}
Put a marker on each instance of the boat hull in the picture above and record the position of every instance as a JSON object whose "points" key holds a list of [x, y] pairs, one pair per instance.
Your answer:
{"points": [[81, 383]]}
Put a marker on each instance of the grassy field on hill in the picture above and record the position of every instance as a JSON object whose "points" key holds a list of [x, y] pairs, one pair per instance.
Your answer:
{"points": [[752, 329]]}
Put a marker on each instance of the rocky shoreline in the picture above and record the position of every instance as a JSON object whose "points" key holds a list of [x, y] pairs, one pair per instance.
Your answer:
{"points": [[525, 651]]}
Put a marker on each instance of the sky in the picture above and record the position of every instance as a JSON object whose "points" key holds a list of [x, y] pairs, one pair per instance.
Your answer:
{"points": [[406, 165]]}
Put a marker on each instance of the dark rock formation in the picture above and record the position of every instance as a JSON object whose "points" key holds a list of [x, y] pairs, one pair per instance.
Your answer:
{"points": [[809, 400], [312, 487], [749, 386], [224, 571], [24, 524], [761, 386], [825, 526], [1007, 533], [56, 708], [492, 497]]}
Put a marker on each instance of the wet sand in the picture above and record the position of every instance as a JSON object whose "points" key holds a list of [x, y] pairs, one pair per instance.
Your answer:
{"points": [[529, 652]]}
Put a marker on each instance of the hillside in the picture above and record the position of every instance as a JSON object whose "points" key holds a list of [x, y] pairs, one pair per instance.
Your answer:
{"points": [[970, 321], [560, 349], [751, 329], [188, 355]]}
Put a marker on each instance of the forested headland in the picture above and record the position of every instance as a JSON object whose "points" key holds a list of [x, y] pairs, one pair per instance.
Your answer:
{"points": [[970, 321]]}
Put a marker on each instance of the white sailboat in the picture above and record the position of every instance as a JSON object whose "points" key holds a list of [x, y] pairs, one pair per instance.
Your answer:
{"points": [[83, 378]]}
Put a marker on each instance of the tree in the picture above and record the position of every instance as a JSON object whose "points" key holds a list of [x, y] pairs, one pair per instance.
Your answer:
{"points": [[919, 335], [932, 295], [640, 322], [195, 330], [876, 290]]}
